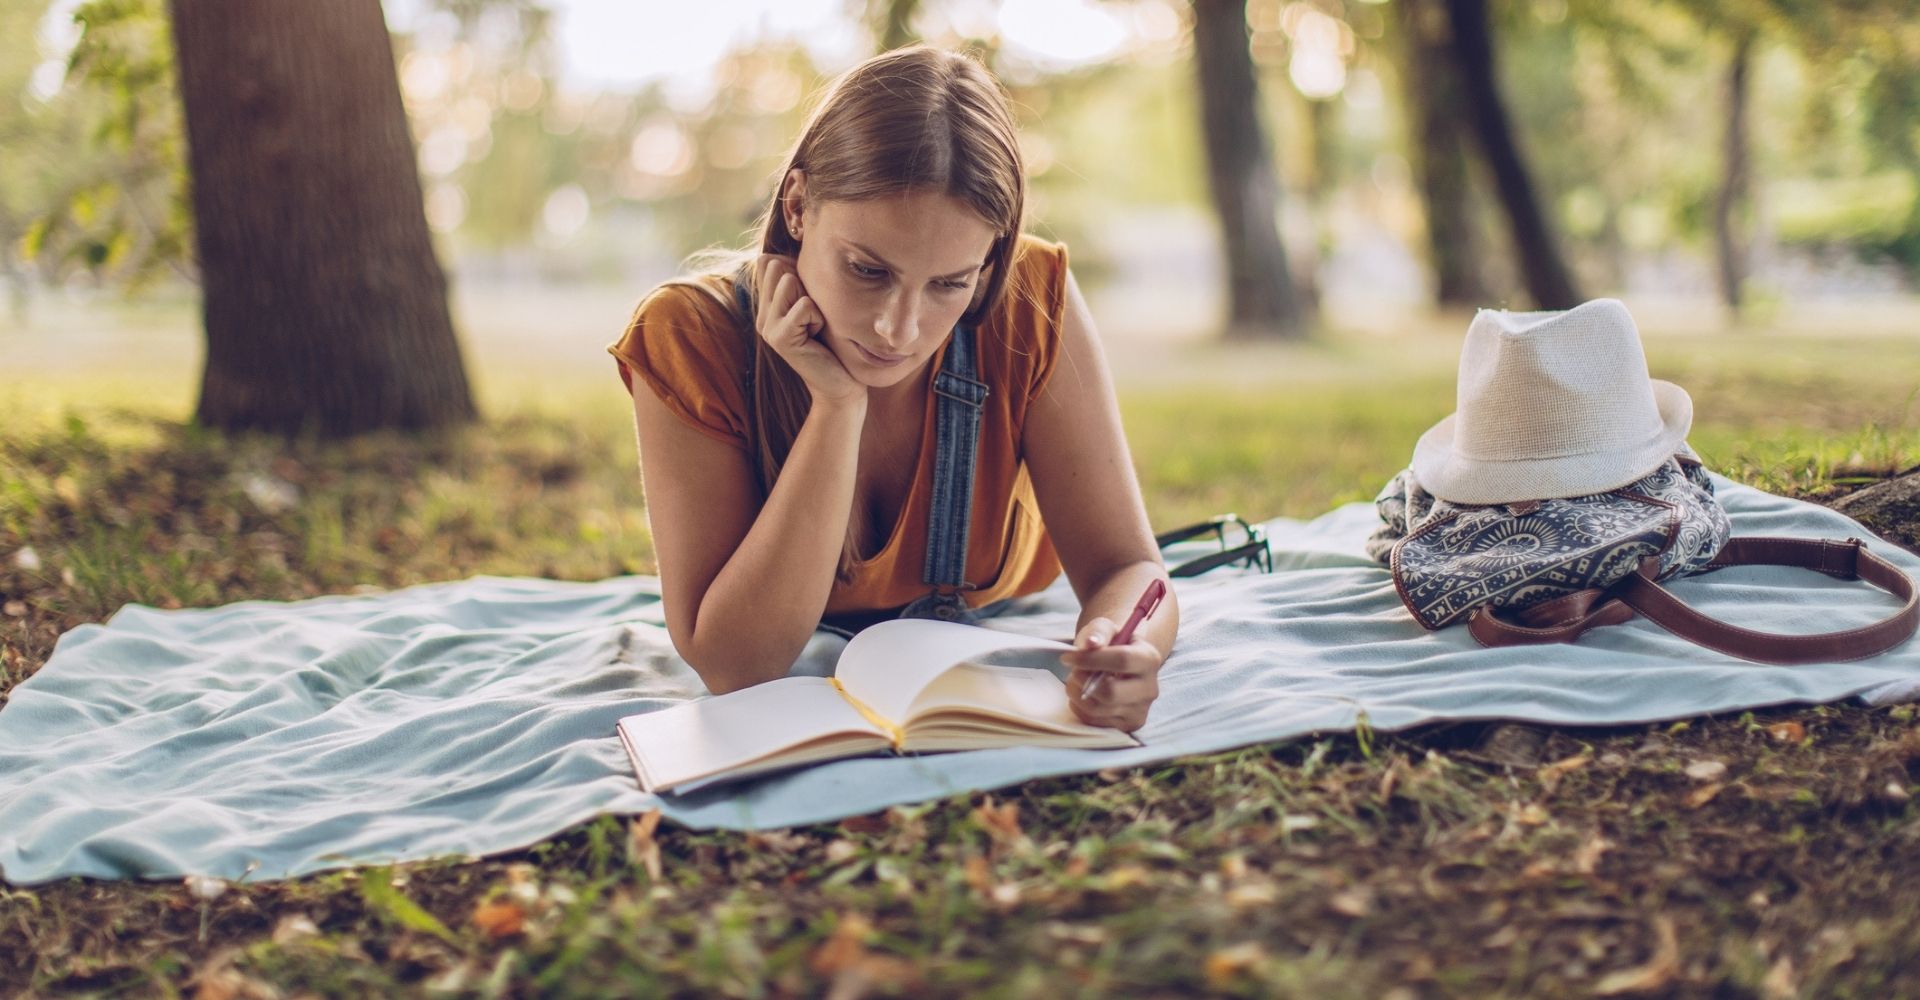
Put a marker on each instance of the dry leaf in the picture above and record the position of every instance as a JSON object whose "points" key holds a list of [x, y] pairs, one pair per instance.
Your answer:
{"points": [[1234, 866], [499, 919], [1355, 902], [1251, 894], [1653, 976], [294, 927], [645, 849], [1787, 732], [1587, 858], [1551, 774], [869, 823], [1532, 814], [845, 946], [1779, 983], [1704, 794], [1001, 822], [1706, 770], [841, 850], [1224, 967]]}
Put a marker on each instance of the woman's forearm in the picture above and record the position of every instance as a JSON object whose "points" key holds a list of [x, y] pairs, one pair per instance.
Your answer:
{"points": [[764, 604]]}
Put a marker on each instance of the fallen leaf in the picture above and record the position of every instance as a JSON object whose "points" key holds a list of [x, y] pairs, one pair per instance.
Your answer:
{"points": [[1706, 770], [841, 850], [1251, 894], [1001, 822], [844, 946], [1587, 857], [869, 823], [1532, 814], [1223, 968], [1703, 795], [499, 919], [1779, 983], [645, 849], [294, 927], [1787, 732], [1550, 774], [1655, 974], [1355, 902]]}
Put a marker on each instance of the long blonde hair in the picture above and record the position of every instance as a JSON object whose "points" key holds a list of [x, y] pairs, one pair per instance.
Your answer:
{"points": [[917, 118]]}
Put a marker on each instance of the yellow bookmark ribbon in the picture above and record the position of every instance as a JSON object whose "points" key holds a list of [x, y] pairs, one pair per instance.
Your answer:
{"points": [[894, 733]]}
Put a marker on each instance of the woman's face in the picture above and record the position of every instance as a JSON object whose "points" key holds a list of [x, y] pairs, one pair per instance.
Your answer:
{"points": [[891, 276]]}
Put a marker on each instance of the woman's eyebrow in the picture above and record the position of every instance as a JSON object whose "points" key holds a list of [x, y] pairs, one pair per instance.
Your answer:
{"points": [[883, 263]]}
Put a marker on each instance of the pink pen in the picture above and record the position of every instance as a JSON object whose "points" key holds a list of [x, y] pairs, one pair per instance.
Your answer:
{"points": [[1145, 606]]}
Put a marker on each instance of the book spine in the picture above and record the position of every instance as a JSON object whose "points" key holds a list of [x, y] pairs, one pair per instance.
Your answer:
{"points": [[894, 733]]}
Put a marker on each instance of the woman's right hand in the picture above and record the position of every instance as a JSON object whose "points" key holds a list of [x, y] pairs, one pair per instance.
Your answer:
{"points": [[791, 324]]}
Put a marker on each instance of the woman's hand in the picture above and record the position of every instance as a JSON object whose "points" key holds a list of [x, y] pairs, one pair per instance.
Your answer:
{"points": [[1129, 677], [791, 324]]}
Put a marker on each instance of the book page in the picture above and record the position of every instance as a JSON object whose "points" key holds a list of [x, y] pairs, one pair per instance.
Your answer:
{"points": [[975, 704], [751, 726], [889, 664]]}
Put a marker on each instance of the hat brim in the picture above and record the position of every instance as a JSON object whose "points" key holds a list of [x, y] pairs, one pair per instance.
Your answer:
{"points": [[1460, 479]]}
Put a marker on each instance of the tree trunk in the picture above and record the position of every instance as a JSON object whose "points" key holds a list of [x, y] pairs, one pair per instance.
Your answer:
{"points": [[1261, 297], [324, 305], [1548, 280], [1733, 184], [1436, 115]]}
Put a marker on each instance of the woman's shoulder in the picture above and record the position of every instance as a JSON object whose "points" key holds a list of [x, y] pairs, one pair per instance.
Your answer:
{"points": [[1032, 306], [1035, 295], [685, 340]]}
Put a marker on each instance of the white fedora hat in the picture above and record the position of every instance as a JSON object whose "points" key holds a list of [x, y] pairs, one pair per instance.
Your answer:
{"points": [[1551, 405]]}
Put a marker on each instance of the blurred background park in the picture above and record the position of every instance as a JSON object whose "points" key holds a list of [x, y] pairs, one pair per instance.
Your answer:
{"points": [[1283, 212], [1713, 163]]}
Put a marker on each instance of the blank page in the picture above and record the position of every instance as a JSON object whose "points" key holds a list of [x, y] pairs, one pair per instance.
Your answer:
{"points": [[718, 733]]}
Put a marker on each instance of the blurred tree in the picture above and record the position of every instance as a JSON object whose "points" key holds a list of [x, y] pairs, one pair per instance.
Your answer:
{"points": [[892, 22], [95, 183], [325, 307], [1262, 298], [1549, 281], [1437, 145], [1730, 244]]}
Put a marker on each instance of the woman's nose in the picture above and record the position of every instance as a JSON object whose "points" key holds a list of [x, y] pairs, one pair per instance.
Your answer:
{"points": [[897, 320]]}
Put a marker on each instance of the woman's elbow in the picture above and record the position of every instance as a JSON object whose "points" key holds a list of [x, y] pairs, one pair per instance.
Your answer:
{"points": [[729, 667]]}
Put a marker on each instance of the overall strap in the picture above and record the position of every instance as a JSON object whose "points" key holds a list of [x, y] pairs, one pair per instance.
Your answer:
{"points": [[956, 452]]}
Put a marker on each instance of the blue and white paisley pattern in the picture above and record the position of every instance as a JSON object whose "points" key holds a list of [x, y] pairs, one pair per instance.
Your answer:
{"points": [[1449, 559]]}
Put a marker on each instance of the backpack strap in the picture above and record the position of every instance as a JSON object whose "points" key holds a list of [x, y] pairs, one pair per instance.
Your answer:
{"points": [[1563, 619]]}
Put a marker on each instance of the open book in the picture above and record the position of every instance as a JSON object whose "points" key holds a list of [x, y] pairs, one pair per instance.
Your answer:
{"points": [[903, 686]]}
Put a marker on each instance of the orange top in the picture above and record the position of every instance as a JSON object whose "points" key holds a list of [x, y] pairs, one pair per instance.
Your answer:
{"points": [[690, 351]]}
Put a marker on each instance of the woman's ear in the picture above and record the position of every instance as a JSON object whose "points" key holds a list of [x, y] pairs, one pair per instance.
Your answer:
{"points": [[793, 201]]}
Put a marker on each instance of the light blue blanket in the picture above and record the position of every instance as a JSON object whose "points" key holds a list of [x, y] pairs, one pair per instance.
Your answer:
{"points": [[268, 740]]}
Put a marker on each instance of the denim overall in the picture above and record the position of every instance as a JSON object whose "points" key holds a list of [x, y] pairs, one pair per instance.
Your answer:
{"points": [[955, 452]]}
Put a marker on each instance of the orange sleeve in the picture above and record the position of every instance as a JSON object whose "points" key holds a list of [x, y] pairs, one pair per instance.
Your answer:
{"points": [[1035, 306], [688, 350]]}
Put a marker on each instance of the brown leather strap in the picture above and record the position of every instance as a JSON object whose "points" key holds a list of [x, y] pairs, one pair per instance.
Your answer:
{"points": [[1563, 619]]}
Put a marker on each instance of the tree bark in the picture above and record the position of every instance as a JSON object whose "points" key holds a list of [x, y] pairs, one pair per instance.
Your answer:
{"points": [[1262, 300], [1549, 281], [1436, 119], [1730, 247], [325, 308]]}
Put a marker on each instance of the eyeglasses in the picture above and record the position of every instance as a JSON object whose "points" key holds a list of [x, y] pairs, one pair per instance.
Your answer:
{"points": [[1254, 549]]}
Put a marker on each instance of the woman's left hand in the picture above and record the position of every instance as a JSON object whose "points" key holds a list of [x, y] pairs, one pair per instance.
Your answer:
{"points": [[1130, 683]]}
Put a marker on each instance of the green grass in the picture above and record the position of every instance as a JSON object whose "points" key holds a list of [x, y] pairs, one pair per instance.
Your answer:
{"points": [[1355, 865]]}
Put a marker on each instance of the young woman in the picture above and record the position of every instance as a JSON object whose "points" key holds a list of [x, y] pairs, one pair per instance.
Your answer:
{"points": [[896, 406]]}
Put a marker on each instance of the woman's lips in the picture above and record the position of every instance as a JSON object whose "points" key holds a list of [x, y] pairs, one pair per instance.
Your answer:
{"points": [[878, 360]]}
